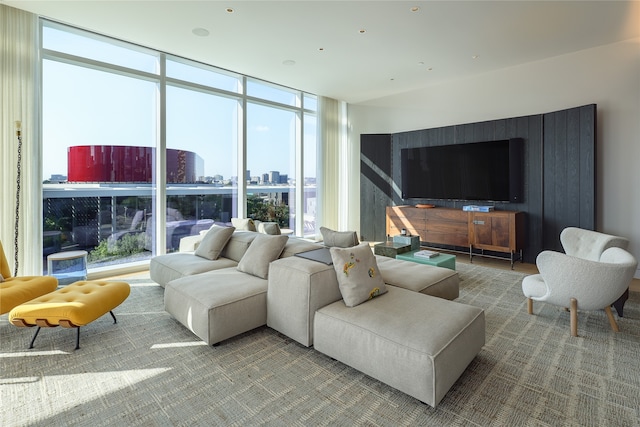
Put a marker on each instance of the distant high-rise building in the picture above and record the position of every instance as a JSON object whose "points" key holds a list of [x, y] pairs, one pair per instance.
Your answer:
{"points": [[274, 177], [284, 178]]}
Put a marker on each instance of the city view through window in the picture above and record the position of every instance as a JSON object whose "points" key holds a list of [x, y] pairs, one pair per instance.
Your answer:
{"points": [[103, 130]]}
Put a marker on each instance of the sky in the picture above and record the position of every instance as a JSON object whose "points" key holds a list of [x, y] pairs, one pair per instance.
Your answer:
{"points": [[83, 106]]}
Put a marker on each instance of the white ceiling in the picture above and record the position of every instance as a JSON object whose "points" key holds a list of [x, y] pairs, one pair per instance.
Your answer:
{"points": [[400, 50]]}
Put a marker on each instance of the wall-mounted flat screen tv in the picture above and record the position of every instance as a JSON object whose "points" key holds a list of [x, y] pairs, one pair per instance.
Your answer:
{"points": [[486, 171]]}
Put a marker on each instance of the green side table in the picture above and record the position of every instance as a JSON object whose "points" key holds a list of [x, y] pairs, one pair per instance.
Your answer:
{"points": [[442, 260]]}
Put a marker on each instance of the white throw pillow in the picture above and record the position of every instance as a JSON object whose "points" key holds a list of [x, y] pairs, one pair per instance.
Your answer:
{"points": [[359, 278], [269, 228], [243, 224], [214, 242], [263, 249]]}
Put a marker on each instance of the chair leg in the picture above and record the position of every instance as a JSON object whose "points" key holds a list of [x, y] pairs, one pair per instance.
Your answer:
{"points": [[612, 320], [574, 317], [530, 305]]}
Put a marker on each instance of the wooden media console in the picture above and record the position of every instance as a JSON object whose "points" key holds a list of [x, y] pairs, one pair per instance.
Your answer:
{"points": [[477, 232]]}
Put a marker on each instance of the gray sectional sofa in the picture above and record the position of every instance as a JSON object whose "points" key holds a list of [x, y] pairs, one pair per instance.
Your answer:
{"points": [[411, 337]]}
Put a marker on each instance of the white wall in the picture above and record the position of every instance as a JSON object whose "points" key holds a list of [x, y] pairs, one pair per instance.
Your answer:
{"points": [[608, 76]]}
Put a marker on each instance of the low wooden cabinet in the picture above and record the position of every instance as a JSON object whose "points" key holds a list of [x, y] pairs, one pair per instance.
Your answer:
{"points": [[495, 231]]}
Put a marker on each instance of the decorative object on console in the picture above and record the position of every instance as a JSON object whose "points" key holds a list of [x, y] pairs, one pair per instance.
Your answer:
{"points": [[340, 239], [476, 208], [425, 206], [359, 278]]}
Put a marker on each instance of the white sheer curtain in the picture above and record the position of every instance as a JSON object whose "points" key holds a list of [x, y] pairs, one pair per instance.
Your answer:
{"points": [[19, 97], [333, 180]]}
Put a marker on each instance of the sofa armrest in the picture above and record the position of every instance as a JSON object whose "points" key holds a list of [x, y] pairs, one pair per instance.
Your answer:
{"points": [[297, 288], [190, 243]]}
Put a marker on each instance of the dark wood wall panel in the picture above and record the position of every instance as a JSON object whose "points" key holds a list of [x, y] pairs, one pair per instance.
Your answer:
{"points": [[375, 185], [569, 172], [559, 172]]}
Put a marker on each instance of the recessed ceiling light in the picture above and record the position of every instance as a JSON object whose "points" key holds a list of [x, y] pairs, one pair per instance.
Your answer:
{"points": [[415, 8], [475, 57], [200, 32], [430, 69], [321, 49], [230, 10], [362, 31], [288, 62]]}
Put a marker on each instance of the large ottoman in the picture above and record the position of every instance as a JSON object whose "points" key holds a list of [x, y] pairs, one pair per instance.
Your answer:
{"points": [[219, 304], [415, 343], [298, 287], [73, 306]]}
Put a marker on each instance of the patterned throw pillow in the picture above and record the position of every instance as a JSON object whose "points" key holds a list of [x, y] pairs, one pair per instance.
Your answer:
{"points": [[358, 275], [214, 242], [340, 239]]}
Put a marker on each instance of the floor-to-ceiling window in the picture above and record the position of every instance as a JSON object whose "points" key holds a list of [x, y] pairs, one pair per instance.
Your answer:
{"points": [[310, 157], [99, 129], [203, 114], [109, 106]]}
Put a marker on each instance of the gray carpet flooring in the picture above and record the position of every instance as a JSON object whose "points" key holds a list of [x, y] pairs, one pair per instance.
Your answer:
{"points": [[148, 370]]}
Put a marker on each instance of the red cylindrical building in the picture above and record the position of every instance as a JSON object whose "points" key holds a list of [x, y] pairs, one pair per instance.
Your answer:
{"points": [[121, 163]]}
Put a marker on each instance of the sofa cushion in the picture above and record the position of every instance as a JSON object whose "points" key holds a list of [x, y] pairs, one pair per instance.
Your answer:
{"points": [[214, 241], [296, 245], [340, 239], [358, 275], [426, 279], [238, 245], [246, 224], [264, 249], [165, 268]]}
